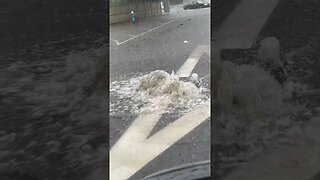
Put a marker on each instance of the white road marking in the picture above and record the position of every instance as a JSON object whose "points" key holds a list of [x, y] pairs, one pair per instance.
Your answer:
{"points": [[242, 26], [188, 66], [133, 150], [134, 37], [117, 42], [131, 35], [181, 127]]}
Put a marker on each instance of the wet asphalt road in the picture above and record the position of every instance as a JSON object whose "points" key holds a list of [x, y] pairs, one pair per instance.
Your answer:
{"points": [[161, 49]]}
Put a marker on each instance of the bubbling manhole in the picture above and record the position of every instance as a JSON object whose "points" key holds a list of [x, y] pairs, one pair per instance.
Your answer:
{"points": [[138, 93], [162, 83]]}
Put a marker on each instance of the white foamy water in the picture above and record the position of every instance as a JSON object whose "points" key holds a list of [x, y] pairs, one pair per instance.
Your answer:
{"points": [[138, 93], [288, 113], [51, 94], [257, 111], [52, 87]]}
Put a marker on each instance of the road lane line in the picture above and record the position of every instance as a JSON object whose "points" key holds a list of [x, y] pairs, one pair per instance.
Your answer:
{"points": [[125, 155], [125, 41], [133, 150], [242, 26], [117, 42], [131, 35], [191, 62], [181, 126], [143, 124]]}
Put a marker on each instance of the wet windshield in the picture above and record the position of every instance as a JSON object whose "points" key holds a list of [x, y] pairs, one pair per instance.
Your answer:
{"points": [[159, 87], [253, 63]]}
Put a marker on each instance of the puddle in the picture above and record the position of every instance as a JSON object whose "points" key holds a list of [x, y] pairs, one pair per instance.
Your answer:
{"points": [[138, 93]]}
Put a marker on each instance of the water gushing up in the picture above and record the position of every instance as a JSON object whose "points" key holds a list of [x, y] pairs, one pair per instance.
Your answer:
{"points": [[257, 110], [140, 91]]}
